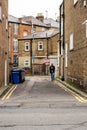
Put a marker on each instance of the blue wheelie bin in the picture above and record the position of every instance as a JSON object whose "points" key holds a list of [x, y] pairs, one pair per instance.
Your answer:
{"points": [[18, 76]]}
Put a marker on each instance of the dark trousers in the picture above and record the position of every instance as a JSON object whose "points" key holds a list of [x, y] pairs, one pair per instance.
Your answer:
{"points": [[52, 76]]}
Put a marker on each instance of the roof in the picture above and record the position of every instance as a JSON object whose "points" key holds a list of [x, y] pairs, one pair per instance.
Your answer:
{"points": [[38, 35], [51, 22], [34, 21], [13, 19]]}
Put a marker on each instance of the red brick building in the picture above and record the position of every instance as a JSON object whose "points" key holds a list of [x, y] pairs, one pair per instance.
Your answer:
{"points": [[3, 42], [17, 29]]}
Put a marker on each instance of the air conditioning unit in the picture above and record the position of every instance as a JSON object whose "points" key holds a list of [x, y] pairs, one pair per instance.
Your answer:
{"points": [[84, 3]]}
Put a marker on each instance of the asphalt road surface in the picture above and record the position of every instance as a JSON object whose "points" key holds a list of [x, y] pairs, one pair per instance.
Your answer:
{"points": [[39, 104]]}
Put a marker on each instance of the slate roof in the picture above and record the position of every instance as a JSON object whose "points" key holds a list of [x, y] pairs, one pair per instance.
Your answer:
{"points": [[16, 20], [39, 35], [31, 19], [13, 19], [51, 22]]}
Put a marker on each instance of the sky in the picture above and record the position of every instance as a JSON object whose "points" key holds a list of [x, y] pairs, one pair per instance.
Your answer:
{"points": [[49, 8]]}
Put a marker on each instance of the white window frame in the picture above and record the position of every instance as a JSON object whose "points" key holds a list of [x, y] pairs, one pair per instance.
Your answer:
{"points": [[71, 42], [75, 1], [43, 29], [39, 46], [0, 12], [15, 28], [27, 46], [15, 45], [66, 54], [26, 63]]}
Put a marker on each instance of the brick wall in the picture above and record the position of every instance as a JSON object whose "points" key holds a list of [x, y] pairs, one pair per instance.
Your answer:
{"points": [[41, 55], [75, 15], [3, 42]]}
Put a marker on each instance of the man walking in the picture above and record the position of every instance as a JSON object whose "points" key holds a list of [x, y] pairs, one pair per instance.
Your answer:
{"points": [[52, 71]]}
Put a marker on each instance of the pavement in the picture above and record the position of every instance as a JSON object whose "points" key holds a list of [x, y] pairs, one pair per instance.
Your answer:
{"points": [[4, 89], [81, 93]]}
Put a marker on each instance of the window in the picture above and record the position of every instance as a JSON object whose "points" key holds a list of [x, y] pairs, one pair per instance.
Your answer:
{"points": [[15, 45], [75, 1], [43, 29], [71, 41], [40, 46], [16, 29], [0, 12], [66, 57], [27, 47], [15, 59], [25, 33], [26, 63]]}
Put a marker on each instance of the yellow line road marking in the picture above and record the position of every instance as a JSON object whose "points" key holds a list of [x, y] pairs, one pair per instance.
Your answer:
{"points": [[77, 96], [9, 93]]}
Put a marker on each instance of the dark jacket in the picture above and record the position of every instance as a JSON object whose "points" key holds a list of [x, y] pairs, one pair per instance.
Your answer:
{"points": [[52, 69]]}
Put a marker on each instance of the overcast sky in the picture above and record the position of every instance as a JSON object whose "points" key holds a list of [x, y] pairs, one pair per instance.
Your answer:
{"points": [[49, 8]]}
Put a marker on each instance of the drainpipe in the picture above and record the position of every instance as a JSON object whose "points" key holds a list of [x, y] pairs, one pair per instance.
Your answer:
{"points": [[5, 72], [47, 54], [31, 54], [63, 43], [47, 45], [62, 38]]}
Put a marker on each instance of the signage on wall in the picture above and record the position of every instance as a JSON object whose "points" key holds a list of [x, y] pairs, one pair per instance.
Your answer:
{"points": [[47, 61]]}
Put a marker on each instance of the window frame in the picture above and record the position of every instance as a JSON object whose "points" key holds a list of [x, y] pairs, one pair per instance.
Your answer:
{"points": [[15, 28], [15, 47], [71, 42], [40, 43], [27, 44], [26, 61]]}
